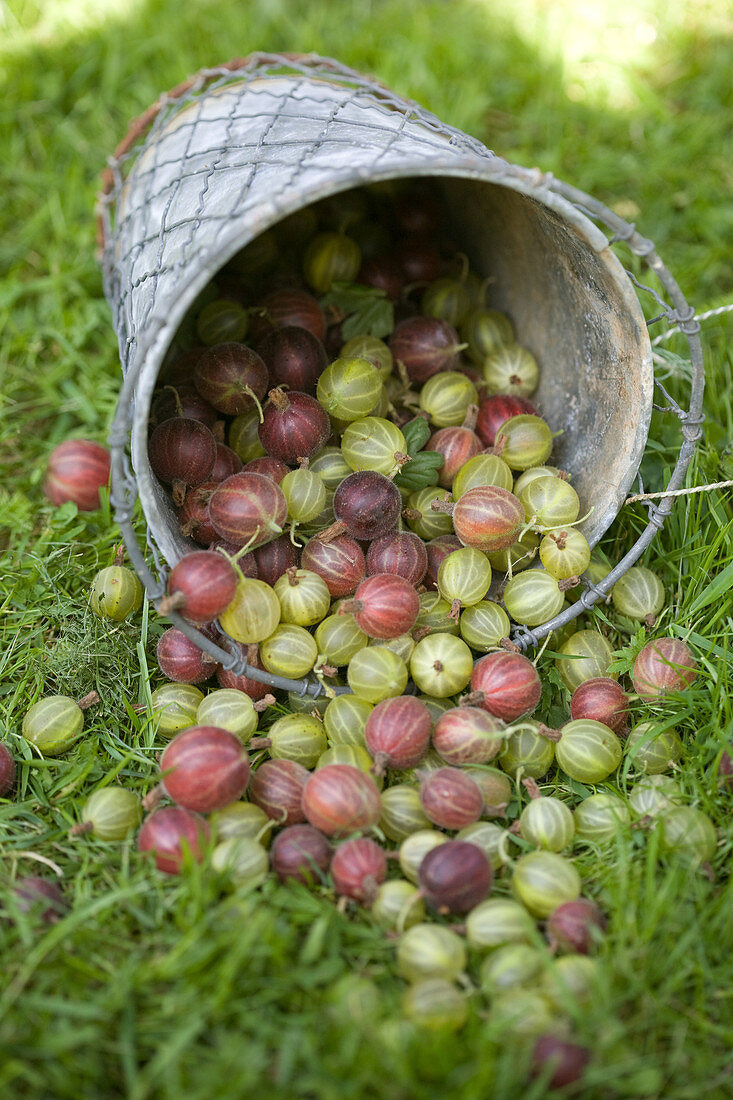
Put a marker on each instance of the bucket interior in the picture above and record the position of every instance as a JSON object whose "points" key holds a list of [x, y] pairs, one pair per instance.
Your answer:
{"points": [[572, 306]]}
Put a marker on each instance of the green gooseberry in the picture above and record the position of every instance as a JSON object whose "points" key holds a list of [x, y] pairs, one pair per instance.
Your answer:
{"points": [[115, 593], [111, 813], [53, 724]]}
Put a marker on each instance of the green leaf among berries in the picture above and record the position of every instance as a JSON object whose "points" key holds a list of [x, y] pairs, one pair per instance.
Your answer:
{"points": [[367, 310]]}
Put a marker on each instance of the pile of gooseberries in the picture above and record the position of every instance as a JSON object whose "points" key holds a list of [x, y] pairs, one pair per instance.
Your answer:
{"points": [[372, 505]]}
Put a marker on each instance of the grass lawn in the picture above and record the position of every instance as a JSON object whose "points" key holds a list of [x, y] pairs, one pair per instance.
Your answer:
{"points": [[168, 987]]}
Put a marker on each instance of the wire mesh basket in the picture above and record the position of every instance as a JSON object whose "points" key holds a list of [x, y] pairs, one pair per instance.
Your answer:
{"points": [[235, 149]]}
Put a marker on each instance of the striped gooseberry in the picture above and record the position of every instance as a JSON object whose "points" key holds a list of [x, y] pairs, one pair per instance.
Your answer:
{"points": [[567, 1061], [455, 877], [193, 514], [482, 469], [354, 755], [665, 664], [248, 509], [345, 720], [489, 837], [511, 369], [231, 377], [430, 951], [330, 257], [302, 853], [507, 685], [496, 922], [467, 735], [371, 348], [603, 699], [495, 411], [428, 522], [173, 834], [339, 799], [488, 518], [565, 553], [402, 553], [76, 470], [384, 606], [303, 597], [305, 495], [338, 639], [543, 880], [547, 823], [242, 859], [415, 847], [367, 504], [600, 817], [243, 436], [220, 320], [253, 614], [373, 443], [450, 798], [289, 651], [53, 724], [111, 813], [446, 298], [273, 559], [436, 550], [425, 345], [204, 768], [524, 441], [397, 905], [653, 750], [298, 737], [397, 733], [175, 706], [115, 593], [241, 819], [527, 753], [331, 466], [639, 594], [533, 597], [485, 330], [201, 585], [358, 868], [7, 770], [689, 834], [446, 397], [376, 673], [349, 388], [484, 625], [226, 463], [230, 710], [180, 658], [294, 426], [182, 453], [495, 788], [256, 689], [586, 655], [458, 445], [516, 557], [464, 577], [549, 502], [402, 813], [277, 788], [588, 751], [293, 355], [509, 967], [289, 307], [435, 616], [441, 665], [182, 399]]}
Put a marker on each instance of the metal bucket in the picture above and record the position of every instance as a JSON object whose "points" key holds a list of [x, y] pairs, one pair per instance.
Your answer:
{"points": [[234, 150]]}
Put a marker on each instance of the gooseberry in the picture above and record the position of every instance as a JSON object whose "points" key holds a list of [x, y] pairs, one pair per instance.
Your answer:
{"points": [[77, 469]]}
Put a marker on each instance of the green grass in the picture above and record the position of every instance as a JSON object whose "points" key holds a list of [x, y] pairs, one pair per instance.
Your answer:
{"points": [[158, 987]]}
